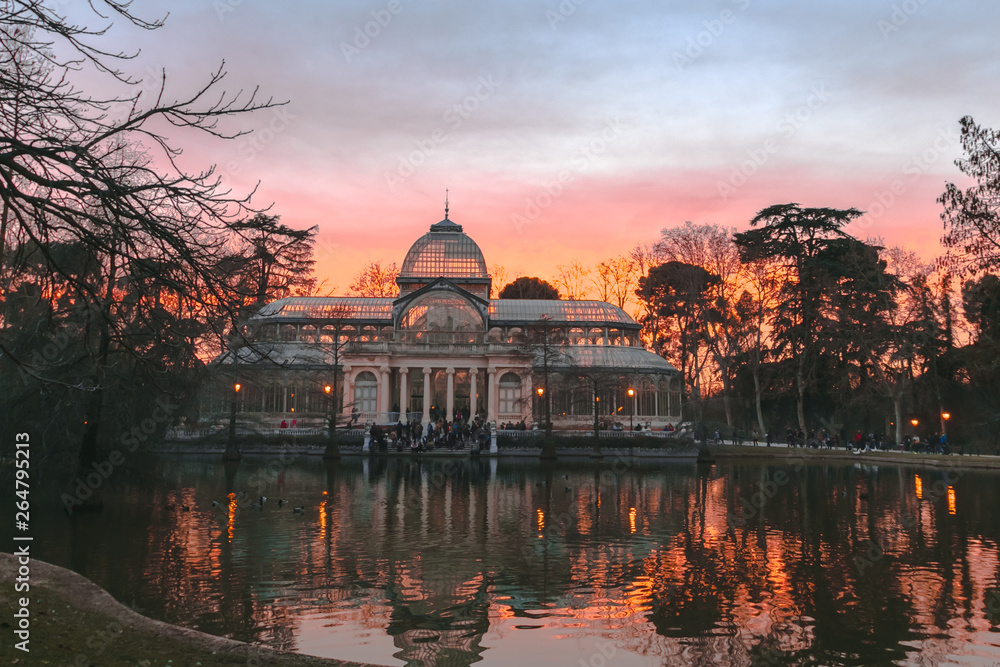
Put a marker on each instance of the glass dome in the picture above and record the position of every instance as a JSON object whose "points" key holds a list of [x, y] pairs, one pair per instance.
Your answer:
{"points": [[444, 252]]}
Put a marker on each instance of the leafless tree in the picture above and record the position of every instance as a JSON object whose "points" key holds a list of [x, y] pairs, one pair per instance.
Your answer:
{"points": [[101, 175], [376, 280], [498, 273], [615, 280], [572, 279]]}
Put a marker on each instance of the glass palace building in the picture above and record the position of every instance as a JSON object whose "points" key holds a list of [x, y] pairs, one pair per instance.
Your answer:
{"points": [[443, 348]]}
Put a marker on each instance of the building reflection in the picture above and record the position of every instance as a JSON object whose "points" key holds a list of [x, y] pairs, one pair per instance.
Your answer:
{"points": [[444, 563]]}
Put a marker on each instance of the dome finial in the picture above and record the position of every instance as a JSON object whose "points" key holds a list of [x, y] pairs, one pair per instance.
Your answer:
{"points": [[446, 203]]}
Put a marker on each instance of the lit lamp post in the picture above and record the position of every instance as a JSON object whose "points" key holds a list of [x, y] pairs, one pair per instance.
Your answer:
{"points": [[945, 416], [232, 453], [548, 447], [332, 448], [631, 416], [548, 415], [631, 408], [597, 426], [541, 398]]}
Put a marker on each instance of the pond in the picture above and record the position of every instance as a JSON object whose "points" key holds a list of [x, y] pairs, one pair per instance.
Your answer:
{"points": [[455, 562]]}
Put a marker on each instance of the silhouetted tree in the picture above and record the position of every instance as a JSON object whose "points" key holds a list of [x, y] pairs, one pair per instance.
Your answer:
{"points": [[972, 216], [797, 238], [529, 288], [678, 299], [94, 200]]}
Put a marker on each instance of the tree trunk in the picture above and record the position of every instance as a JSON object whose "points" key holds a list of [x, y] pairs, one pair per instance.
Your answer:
{"points": [[897, 405], [726, 403], [800, 383], [597, 427], [756, 392], [91, 426]]}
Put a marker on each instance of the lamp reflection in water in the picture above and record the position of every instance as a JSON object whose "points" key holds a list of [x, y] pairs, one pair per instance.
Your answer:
{"points": [[233, 509], [395, 589]]}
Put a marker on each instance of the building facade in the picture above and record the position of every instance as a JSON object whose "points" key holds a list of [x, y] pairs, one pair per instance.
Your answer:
{"points": [[444, 349]]}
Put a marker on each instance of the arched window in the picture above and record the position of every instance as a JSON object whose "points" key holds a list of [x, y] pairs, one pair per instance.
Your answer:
{"points": [[326, 335], [510, 394], [615, 337], [515, 335], [577, 337], [441, 317], [663, 398], [369, 334], [308, 334], [348, 334], [288, 332], [647, 399], [596, 336], [495, 335], [365, 392]]}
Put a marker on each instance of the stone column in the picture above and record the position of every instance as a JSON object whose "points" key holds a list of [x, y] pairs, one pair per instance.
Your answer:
{"points": [[450, 404], [491, 396], [473, 393], [348, 396], [427, 396], [383, 392], [404, 398]]}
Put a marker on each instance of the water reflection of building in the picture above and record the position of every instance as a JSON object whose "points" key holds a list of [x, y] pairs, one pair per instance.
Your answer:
{"points": [[444, 346], [444, 565]]}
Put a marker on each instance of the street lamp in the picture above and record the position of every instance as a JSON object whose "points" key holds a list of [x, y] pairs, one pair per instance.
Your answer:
{"points": [[332, 448], [326, 390], [631, 414], [541, 396], [231, 453], [631, 408], [945, 416]]}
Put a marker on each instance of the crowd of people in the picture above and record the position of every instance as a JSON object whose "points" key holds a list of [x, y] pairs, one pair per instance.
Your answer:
{"points": [[937, 444], [511, 426], [458, 434]]}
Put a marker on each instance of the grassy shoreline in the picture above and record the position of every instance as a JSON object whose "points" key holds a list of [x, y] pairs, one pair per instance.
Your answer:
{"points": [[76, 622]]}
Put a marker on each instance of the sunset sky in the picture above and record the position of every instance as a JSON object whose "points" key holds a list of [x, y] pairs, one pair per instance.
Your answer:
{"points": [[582, 128]]}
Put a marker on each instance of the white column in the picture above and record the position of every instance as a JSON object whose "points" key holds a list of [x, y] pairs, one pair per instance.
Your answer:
{"points": [[383, 392], [491, 396], [348, 396], [404, 399], [473, 394], [427, 396], [450, 404]]}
